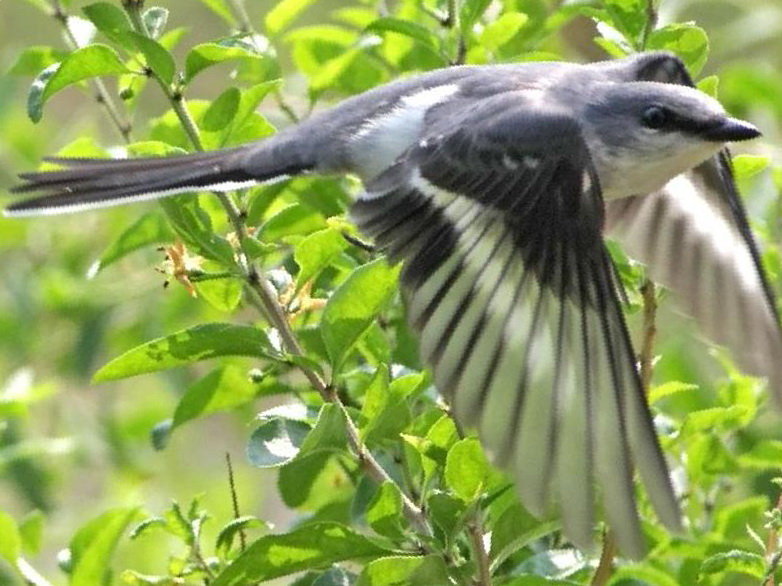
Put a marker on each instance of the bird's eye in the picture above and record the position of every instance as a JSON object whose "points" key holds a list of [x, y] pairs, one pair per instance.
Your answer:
{"points": [[655, 117]]}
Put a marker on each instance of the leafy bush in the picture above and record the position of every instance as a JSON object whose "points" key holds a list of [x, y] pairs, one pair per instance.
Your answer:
{"points": [[280, 300]]}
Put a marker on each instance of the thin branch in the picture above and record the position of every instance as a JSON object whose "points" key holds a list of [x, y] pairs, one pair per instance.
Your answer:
{"points": [[262, 295], [475, 531], [30, 574], [648, 291], [646, 359], [234, 498], [651, 22], [605, 565], [102, 95]]}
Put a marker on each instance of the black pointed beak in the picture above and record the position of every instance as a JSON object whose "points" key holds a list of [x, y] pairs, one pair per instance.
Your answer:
{"points": [[731, 130]]}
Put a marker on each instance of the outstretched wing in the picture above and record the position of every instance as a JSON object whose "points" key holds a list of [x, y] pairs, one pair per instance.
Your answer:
{"points": [[694, 237], [497, 215]]}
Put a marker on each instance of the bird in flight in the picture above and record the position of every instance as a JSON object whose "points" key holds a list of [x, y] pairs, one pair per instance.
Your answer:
{"points": [[494, 186]]}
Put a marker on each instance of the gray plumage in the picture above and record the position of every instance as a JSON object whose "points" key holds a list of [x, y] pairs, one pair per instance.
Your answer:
{"points": [[493, 185]]}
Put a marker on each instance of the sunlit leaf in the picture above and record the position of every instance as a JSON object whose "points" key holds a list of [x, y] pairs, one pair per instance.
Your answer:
{"points": [[743, 562], [93, 545], [354, 305], [276, 441], [283, 13], [11, 542], [92, 61], [466, 469], [187, 346], [688, 41], [310, 546], [404, 571], [384, 513], [32, 60], [223, 389]]}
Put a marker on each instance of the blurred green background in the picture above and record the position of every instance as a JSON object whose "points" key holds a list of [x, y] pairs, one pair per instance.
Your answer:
{"points": [[81, 448]]}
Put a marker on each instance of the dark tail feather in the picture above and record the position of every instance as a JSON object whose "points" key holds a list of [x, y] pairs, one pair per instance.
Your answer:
{"points": [[93, 183]]}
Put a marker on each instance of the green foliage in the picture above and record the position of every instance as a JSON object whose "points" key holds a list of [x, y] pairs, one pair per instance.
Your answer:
{"points": [[379, 485]]}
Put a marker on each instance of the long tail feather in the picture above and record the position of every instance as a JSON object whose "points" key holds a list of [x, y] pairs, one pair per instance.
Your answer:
{"points": [[94, 183]]}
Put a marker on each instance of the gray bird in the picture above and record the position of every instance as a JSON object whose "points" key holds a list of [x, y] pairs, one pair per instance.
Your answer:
{"points": [[494, 185]]}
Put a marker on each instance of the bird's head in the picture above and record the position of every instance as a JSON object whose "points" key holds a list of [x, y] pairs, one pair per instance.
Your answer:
{"points": [[645, 133]]}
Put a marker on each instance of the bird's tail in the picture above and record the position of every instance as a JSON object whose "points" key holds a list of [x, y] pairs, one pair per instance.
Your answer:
{"points": [[93, 183]]}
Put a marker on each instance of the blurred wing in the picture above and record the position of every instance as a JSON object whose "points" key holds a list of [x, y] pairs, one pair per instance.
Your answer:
{"points": [[497, 215], [695, 238]]}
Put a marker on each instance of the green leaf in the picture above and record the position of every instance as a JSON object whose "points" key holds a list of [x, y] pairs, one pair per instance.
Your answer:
{"points": [[502, 30], [194, 226], [715, 418], [158, 59], [185, 347], [446, 511], [628, 17], [470, 12], [669, 389], [316, 252], [334, 576], [354, 305], [93, 545], [283, 13], [746, 166], [149, 230], [32, 60], [313, 464], [297, 480], [276, 441], [386, 412], [709, 85], [92, 61], [688, 41], [384, 513], [206, 55], [222, 111], [404, 27], [405, 571], [743, 562], [292, 220], [31, 530], [224, 294], [113, 22], [641, 575], [515, 529], [228, 533], [223, 389], [731, 520], [765, 455], [221, 9], [11, 542], [329, 432], [311, 546], [155, 20], [466, 469]]}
